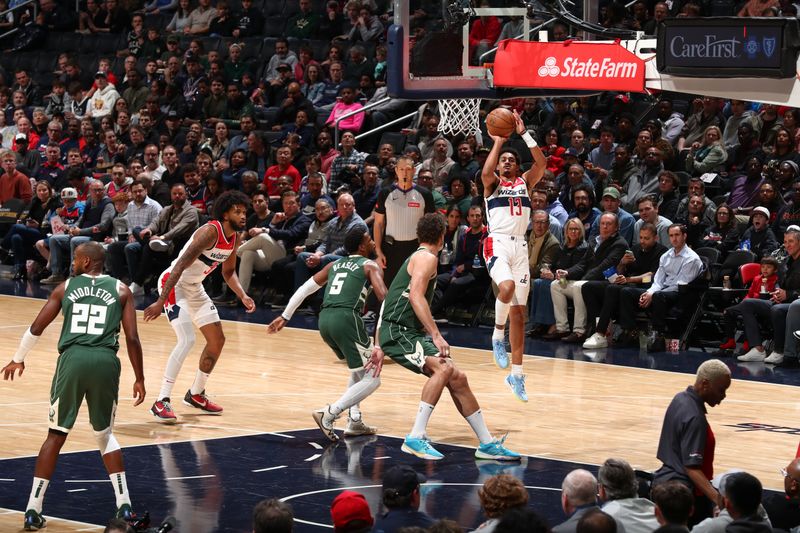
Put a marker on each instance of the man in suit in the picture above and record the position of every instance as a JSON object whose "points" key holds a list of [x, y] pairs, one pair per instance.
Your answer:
{"points": [[578, 495]]}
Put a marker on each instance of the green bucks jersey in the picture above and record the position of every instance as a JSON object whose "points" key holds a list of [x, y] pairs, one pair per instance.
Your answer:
{"points": [[92, 313], [347, 284], [397, 306]]}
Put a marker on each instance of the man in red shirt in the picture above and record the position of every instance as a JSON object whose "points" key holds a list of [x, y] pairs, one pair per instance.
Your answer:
{"points": [[13, 183], [283, 168]]}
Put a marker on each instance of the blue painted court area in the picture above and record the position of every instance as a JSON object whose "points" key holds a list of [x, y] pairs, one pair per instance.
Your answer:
{"points": [[212, 485]]}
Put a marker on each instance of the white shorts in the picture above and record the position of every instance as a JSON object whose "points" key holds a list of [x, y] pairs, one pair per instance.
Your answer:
{"points": [[507, 259], [188, 303]]}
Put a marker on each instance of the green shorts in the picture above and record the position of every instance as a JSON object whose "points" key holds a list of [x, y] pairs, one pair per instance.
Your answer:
{"points": [[81, 372], [343, 330], [406, 346]]}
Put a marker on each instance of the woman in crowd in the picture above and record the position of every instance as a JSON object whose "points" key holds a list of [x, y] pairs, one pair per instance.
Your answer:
{"points": [[455, 229], [570, 265], [724, 230], [219, 142], [313, 85], [667, 196], [783, 148], [553, 152], [708, 156], [33, 226]]}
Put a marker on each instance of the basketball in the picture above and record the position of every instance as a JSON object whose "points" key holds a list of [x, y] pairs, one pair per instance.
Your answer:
{"points": [[501, 122]]}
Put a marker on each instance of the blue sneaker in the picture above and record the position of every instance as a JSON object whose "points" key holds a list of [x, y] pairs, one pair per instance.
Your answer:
{"points": [[517, 386], [500, 353], [421, 448], [495, 451]]}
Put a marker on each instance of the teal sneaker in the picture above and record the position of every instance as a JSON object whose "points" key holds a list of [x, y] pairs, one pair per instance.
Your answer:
{"points": [[500, 353], [34, 521], [495, 451], [517, 386], [421, 448]]}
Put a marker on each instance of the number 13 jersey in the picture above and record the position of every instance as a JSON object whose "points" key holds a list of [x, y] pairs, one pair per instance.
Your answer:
{"points": [[508, 208]]}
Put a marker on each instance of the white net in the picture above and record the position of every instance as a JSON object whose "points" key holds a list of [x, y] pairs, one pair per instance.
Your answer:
{"points": [[459, 116]]}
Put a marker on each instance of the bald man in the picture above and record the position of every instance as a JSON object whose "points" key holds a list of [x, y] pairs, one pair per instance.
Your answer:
{"points": [[784, 509]]}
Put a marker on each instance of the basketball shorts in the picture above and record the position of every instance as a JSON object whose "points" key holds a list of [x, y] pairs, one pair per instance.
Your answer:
{"points": [[84, 372], [188, 302], [344, 331], [406, 346], [507, 259]]}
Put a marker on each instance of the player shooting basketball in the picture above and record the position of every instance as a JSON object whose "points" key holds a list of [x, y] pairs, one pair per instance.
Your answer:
{"points": [[506, 191]]}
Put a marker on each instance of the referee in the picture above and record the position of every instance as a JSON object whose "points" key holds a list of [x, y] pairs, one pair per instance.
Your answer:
{"points": [[397, 212]]}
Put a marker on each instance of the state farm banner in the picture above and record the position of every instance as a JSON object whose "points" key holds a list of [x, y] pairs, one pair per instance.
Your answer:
{"points": [[568, 65]]}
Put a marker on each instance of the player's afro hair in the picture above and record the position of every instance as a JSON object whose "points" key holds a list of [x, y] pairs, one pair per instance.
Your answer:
{"points": [[227, 200], [430, 228]]}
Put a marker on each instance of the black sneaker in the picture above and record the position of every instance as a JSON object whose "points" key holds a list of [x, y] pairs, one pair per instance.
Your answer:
{"points": [[34, 521], [789, 362]]}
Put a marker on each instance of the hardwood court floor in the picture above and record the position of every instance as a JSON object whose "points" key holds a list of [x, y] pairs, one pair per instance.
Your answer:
{"points": [[578, 411]]}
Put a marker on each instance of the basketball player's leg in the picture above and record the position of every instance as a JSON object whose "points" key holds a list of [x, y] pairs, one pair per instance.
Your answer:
{"points": [[215, 341], [521, 274], [346, 335], [467, 405], [180, 319], [102, 395], [502, 276]]}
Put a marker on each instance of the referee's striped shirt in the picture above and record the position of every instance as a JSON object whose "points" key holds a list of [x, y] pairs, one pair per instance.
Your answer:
{"points": [[403, 209]]}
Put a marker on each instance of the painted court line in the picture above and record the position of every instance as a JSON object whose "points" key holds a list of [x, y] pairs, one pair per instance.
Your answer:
{"points": [[77, 490], [87, 481], [189, 477], [6, 479], [315, 445], [313, 457], [269, 468]]}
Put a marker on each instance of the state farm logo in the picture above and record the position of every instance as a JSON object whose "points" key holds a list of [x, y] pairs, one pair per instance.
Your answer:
{"points": [[590, 68]]}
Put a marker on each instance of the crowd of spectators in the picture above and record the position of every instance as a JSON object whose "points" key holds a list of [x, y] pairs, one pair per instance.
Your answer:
{"points": [[131, 148]]}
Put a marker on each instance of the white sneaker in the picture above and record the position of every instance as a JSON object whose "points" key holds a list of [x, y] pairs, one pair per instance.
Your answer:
{"points": [[775, 358], [754, 355], [137, 290], [598, 340], [157, 245], [325, 420], [358, 427]]}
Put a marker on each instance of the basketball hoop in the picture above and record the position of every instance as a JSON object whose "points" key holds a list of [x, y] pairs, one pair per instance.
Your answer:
{"points": [[459, 116]]}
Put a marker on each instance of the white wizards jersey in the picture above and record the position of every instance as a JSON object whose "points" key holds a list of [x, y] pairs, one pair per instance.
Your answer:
{"points": [[209, 259], [508, 208]]}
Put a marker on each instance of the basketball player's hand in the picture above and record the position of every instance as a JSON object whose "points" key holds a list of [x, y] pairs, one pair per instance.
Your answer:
{"points": [[138, 392], [153, 310], [520, 125], [249, 304], [375, 362], [11, 368], [380, 259], [276, 325], [441, 344]]}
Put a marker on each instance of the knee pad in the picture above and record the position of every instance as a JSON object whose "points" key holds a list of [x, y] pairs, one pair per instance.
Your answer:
{"points": [[106, 442]]}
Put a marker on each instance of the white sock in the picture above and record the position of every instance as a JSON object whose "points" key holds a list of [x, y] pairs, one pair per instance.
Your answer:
{"points": [[186, 337], [37, 494], [421, 422], [516, 370], [498, 334], [354, 395], [120, 485], [199, 384], [501, 311], [479, 427]]}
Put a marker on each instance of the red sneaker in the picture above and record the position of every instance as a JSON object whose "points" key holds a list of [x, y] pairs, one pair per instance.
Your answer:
{"points": [[163, 412], [745, 347], [201, 401], [729, 344]]}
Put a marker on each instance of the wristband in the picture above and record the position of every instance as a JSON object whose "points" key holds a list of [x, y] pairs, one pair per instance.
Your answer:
{"points": [[529, 140], [27, 343], [287, 319]]}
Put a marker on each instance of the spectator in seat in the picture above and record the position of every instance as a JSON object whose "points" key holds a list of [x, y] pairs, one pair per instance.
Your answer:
{"points": [[784, 509], [745, 186], [13, 183], [440, 164], [368, 27], [759, 238], [350, 161], [103, 100], [739, 115], [635, 269], [331, 246], [24, 83], [724, 234], [578, 495], [51, 170], [678, 266], [695, 127], [708, 155], [611, 204], [584, 209], [124, 255], [401, 497], [200, 18], [645, 181], [350, 513], [282, 56], [330, 91], [747, 147], [268, 243], [698, 188], [249, 21], [162, 238], [94, 224], [358, 65], [674, 504], [671, 121], [648, 214], [762, 284], [305, 24], [620, 173], [345, 105], [295, 102], [283, 167], [498, 495], [32, 227], [618, 490], [223, 23]]}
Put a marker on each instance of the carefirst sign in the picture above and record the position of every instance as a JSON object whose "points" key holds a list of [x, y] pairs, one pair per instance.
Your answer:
{"points": [[568, 65], [728, 47]]}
